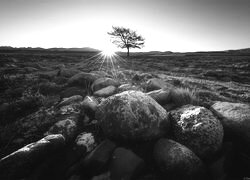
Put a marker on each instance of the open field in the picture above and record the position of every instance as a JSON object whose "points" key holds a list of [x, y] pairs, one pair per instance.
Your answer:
{"points": [[37, 88]]}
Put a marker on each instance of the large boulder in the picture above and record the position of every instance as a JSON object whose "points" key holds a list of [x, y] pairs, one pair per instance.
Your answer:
{"points": [[177, 161], [103, 82], [21, 162], [125, 164], [132, 115], [235, 118], [82, 79], [197, 128]]}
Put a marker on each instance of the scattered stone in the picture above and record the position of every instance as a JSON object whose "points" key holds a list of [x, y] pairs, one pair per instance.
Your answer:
{"points": [[96, 161], [176, 161], [85, 142], [125, 164], [127, 87], [103, 82], [21, 162], [67, 127], [132, 115], [235, 118], [160, 96], [82, 79], [70, 100], [105, 92], [197, 128]]}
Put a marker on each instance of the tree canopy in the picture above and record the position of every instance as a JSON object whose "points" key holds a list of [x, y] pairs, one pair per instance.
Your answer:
{"points": [[126, 38]]}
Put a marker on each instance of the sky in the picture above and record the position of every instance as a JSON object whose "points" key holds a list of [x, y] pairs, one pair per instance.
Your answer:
{"points": [[166, 25]]}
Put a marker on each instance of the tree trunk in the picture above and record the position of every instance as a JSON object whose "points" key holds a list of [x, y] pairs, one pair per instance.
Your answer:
{"points": [[128, 52]]}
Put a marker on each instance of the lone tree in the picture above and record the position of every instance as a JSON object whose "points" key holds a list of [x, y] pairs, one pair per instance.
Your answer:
{"points": [[126, 38]]}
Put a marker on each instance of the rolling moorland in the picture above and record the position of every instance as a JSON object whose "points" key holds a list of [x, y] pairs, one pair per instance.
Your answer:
{"points": [[35, 80]]}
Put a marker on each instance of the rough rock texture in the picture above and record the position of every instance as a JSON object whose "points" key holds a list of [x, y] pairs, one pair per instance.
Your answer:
{"points": [[21, 162], [160, 96], [177, 161], [125, 164], [105, 92], [103, 82], [198, 129], [132, 115], [235, 118], [82, 79]]}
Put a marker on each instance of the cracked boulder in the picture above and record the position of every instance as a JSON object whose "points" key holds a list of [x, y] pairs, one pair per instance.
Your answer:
{"points": [[132, 115], [197, 128]]}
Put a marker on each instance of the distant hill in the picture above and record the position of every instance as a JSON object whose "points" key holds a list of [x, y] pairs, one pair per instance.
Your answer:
{"points": [[84, 49]]}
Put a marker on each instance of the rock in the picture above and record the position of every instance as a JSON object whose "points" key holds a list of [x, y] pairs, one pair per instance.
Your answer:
{"points": [[103, 82], [177, 161], [72, 91], [235, 118], [99, 157], [198, 129], [127, 87], [85, 142], [70, 100], [67, 127], [132, 115], [90, 105], [60, 80], [160, 96], [105, 92], [155, 83], [21, 162], [82, 79], [125, 164]]}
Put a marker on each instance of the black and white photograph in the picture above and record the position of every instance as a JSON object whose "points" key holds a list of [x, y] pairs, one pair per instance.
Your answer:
{"points": [[124, 89]]}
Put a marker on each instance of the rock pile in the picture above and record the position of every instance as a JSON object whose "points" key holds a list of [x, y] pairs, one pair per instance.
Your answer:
{"points": [[118, 132]]}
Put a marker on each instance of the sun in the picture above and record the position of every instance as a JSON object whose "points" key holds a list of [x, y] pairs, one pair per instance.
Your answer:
{"points": [[108, 52]]}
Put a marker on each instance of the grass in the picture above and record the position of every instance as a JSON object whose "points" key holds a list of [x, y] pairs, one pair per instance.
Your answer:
{"points": [[182, 96]]}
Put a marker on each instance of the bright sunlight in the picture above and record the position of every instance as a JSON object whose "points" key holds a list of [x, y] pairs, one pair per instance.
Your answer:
{"points": [[108, 52]]}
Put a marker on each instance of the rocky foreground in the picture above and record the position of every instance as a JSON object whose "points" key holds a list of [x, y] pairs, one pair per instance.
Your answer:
{"points": [[123, 131]]}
